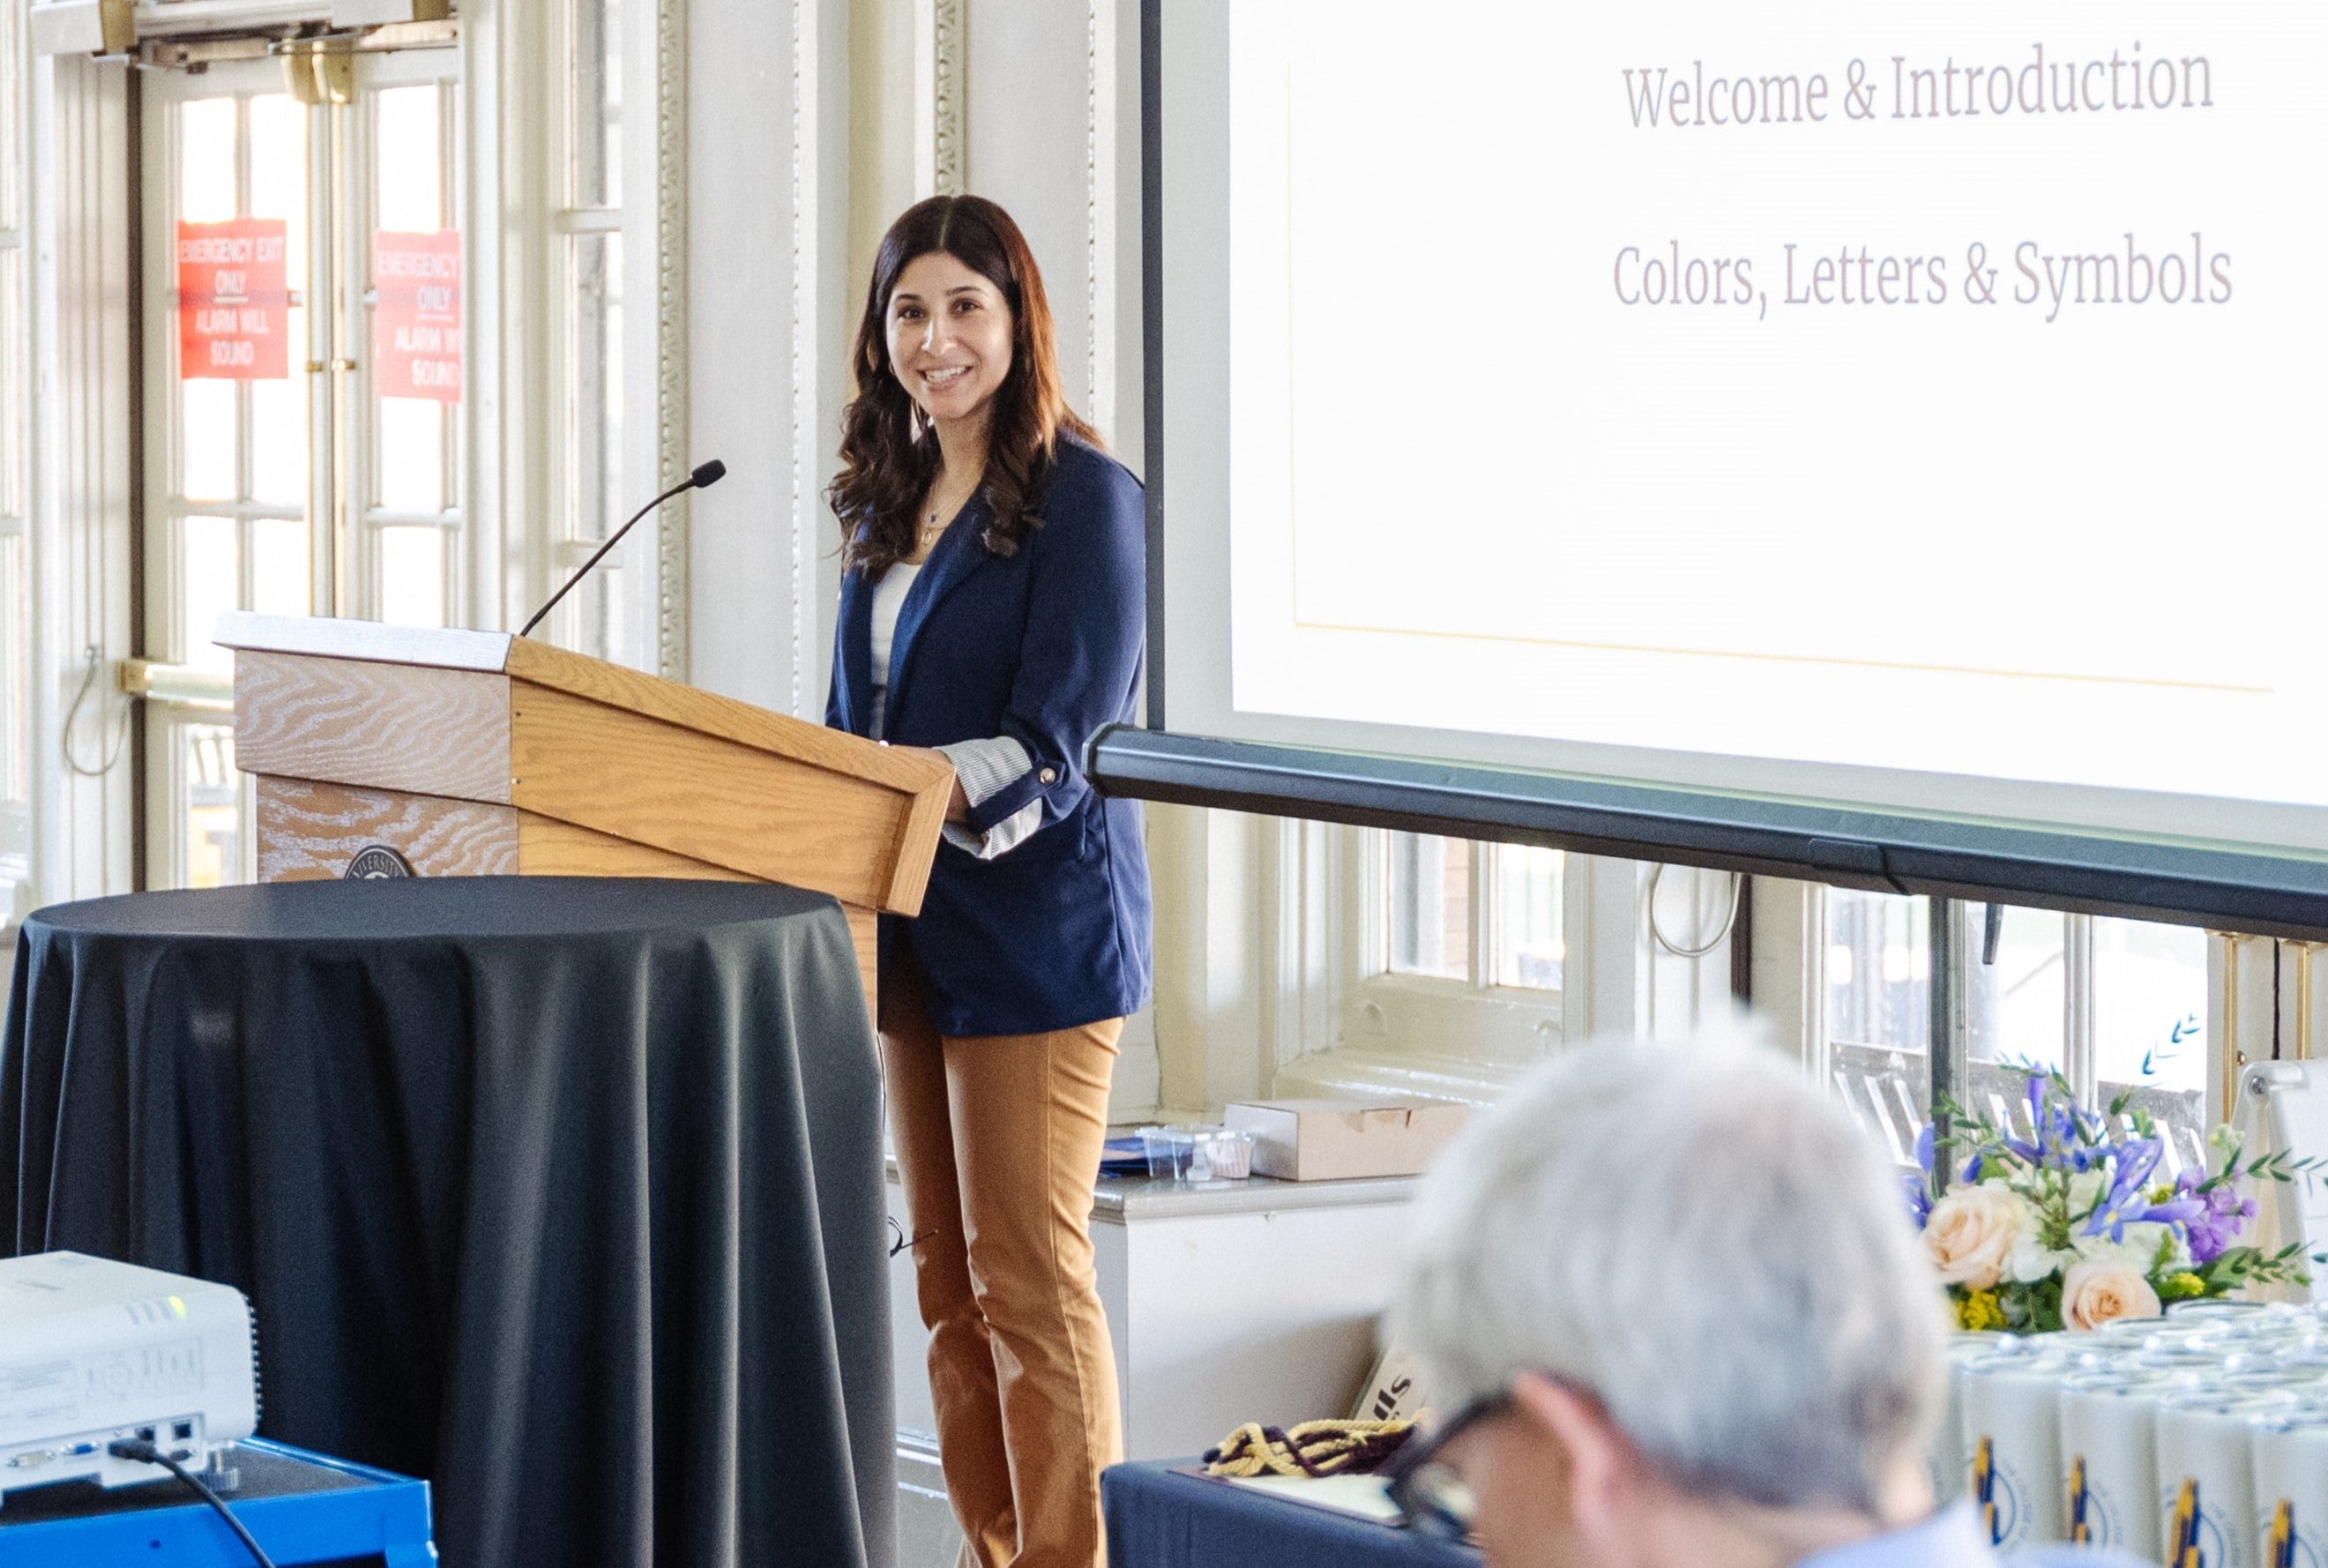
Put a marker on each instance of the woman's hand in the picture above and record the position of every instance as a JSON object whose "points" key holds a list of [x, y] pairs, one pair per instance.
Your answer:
{"points": [[957, 803]]}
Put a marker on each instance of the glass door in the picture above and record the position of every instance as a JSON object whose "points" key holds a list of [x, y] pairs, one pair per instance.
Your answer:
{"points": [[402, 285], [304, 330]]}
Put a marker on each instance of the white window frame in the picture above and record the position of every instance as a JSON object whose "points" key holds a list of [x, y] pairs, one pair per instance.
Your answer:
{"points": [[1505, 1020], [563, 547], [1338, 1020]]}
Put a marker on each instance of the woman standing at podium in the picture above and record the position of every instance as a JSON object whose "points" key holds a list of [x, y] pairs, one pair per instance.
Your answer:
{"points": [[992, 609]]}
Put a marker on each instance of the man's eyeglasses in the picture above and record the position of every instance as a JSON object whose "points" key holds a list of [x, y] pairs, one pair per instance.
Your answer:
{"points": [[1430, 1493]]}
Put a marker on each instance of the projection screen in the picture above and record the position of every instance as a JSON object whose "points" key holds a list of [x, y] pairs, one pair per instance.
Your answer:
{"points": [[1797, 434]]}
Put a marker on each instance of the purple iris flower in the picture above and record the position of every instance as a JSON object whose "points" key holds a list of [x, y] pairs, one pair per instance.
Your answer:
{"points": [[1918, 1191], [1926, 1154], [2222, 1214], [2126, 1201]]}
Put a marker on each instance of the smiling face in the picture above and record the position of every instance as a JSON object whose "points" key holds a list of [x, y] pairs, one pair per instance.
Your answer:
{"points": [[949, 337]]}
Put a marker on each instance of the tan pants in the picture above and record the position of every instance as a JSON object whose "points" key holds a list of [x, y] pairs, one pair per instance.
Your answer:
{"points": [[999, 1141]]}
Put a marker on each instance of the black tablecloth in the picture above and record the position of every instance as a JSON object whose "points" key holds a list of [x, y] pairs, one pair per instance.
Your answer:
{"points": [[563, 1194], [1158, 1517]]}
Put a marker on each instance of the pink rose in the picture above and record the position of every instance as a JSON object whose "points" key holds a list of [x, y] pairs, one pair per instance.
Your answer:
{"points": [[2101, 1290], [1971, 1233]]}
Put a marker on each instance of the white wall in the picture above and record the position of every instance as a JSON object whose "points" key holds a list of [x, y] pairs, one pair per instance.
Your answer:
{"points": [[767, 170]]}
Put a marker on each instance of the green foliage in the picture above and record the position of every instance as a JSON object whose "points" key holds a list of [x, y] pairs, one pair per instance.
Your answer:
{"points": [[2239, 1267]]}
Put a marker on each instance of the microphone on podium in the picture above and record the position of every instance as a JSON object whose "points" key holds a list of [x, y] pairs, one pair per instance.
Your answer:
{"points": [[704, 475]]}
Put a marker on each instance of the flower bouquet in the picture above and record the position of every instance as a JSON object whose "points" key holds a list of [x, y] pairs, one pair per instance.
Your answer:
{"points": [[2074, 1226]]}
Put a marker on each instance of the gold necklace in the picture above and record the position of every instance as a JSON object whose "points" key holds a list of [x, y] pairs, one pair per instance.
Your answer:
{"points": [[940, 510]]}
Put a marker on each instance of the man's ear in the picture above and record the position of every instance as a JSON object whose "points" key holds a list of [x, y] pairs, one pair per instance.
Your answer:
{"points": [[1601, 1476]]}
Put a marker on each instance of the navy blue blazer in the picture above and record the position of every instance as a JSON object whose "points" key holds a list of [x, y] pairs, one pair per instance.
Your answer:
{"points": [[1044, 646]]}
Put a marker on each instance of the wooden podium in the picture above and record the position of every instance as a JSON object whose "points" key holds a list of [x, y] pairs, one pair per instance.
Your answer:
{"points": [[390, 751]]}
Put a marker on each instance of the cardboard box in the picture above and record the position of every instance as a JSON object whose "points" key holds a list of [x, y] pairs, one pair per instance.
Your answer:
{"points": [[1329, 1140]]}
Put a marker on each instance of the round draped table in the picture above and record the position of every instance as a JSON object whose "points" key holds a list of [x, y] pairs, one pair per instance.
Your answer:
{"points": [[565, 1194]]}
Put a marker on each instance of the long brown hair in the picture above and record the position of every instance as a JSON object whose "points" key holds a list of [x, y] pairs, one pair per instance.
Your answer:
{"points": [[888, 451]]}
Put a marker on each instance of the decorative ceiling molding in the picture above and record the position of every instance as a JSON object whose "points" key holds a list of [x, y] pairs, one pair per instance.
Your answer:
{"points": [[941, 84], [672, 452]]}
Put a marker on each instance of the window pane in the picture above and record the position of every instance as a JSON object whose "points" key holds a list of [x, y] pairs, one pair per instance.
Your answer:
{"points": [[279, 410], [2150, 1023], [410, 185], [604, 627], [1430, 905], [278, 432], [210, 575], [597, 103], [280, 583], [2014, 1009], [206, 181], [412, 576], [278, 175], [595, 352], [213, 806], [206, 414], [411, 464], [1879, 967], [1527, 910]]}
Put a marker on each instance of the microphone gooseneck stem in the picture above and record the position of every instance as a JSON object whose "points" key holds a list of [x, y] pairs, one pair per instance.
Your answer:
{"points": [[689, 482]]}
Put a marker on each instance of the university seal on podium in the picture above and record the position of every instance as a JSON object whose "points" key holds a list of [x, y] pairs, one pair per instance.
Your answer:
{"points": [[376, 863]]}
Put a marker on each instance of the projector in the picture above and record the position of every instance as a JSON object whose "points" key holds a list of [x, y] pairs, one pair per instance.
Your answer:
{"points": [[92, 1350]]}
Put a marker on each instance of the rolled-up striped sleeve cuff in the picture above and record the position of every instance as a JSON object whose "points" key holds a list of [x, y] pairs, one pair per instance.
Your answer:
{"points": [[987, 768]]}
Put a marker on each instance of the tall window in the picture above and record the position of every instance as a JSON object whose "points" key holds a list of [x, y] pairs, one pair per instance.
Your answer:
{"points": [[2116, 1006], [16, 373], [596, 492]]}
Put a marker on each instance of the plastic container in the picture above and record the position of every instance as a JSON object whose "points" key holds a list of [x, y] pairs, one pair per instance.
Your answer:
{"points": [[1182, 1152], [1232, 1154], [1197, 1151]]}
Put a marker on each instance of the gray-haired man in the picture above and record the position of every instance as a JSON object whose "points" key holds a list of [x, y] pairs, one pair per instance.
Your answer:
{"points": [[1679, 1307]]}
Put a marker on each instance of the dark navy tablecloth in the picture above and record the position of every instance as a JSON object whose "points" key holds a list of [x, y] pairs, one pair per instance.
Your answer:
{"points": [[565, 1194], [1159, 1517]]}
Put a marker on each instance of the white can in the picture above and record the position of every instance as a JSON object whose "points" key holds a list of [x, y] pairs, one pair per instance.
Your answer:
{"points": [[2205, 1358], [2013, 1431], [1949, 1455], [2109, 1459], [2291, 1488], [2216, 1309], [2140, 1329], [2206, 1477]]}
